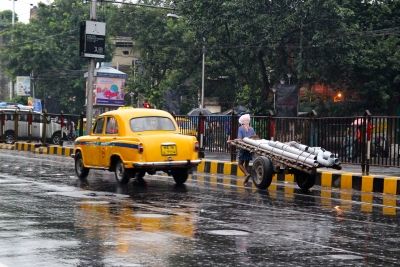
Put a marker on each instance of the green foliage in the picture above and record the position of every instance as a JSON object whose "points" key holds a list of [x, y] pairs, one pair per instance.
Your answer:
{"points": [[350, 45], [6, 17]]}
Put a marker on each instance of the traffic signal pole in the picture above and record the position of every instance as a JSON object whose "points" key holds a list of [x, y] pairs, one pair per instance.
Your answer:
{"points": [[89, 96]]}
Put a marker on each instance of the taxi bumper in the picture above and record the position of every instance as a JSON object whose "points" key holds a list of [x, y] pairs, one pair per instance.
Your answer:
{"points": [[166, 164]]}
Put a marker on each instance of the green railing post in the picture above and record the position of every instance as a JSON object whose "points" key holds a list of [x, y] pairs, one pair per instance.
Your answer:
{"points": [[44, 127], [234, 132], [16, 125], [366, 133], [200, 133], [81, 124], [313, 127], [271, 124], [30, 126], [2, 125]]}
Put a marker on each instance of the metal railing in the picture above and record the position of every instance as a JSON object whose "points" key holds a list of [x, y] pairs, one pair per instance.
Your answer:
{"points": [[26, 125], [365, 140]]}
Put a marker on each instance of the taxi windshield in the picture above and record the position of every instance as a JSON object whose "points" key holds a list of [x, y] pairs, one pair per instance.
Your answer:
{"points": [[152, 124]]}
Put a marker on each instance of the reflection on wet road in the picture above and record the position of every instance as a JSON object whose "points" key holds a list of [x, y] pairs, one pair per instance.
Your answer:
{"points": [[50, 218]]}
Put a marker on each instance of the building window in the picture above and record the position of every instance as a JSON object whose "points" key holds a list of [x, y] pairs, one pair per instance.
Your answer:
{"points": [[123, 44]]}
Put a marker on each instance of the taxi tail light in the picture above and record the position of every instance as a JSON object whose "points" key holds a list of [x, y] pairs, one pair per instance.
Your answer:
{"points": [[196, 146], [140, 148]]}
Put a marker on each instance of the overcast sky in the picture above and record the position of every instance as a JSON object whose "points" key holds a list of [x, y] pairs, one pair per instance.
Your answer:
{"points": [[22, 7]]}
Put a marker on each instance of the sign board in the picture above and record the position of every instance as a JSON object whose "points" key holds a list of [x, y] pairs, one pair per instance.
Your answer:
{"points": [[92, 39], [23, 86], [287, 100]]}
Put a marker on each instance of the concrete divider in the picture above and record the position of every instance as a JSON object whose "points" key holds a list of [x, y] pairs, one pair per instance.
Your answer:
{"points": [[6, 146], [333, 179], [23, 146], [39, 149], [325, 179]]}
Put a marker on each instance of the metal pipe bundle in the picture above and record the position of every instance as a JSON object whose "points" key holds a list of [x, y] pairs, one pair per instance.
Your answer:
{"points": [[315, 156], [285, 151]]}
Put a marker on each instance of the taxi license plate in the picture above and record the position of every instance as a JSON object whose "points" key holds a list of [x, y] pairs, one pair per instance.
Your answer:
{"points": [[168, 150]]}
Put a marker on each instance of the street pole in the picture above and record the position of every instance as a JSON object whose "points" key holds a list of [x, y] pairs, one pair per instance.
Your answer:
{"points": [[12, 21], [89, 97], [202, 75], [13, 14]]}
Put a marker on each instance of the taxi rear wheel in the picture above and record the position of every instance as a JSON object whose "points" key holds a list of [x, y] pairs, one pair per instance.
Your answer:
{"points": [[80, 170], [180, 175], [121, 174]]}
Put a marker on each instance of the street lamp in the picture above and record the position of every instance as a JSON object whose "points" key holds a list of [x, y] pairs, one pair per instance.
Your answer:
{"points": [[274, 91], [202, 74], [289, 76], [335, 99], [282, 81]]}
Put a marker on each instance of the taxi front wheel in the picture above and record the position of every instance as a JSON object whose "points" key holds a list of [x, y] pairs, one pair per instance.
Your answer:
{"points": [[80, 170], [180, 175], [121, 174]]}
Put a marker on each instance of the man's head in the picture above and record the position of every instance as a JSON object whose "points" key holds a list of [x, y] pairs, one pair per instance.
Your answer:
{"points": [[244, 119]]}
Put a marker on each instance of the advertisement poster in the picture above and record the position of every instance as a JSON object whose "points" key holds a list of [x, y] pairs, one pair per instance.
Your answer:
{"points": [[23, 86], [30, 101], [109, 91], [35, 103]]}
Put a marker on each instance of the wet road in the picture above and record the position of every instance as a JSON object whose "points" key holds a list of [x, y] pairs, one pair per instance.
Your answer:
{"points": [[50, 218]]}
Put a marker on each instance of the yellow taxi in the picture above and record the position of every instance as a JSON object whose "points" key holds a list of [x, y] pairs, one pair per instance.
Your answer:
{"points": [[134, 141], [187, 127]]}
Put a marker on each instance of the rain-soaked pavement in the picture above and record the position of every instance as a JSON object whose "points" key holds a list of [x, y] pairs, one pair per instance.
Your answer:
{"points": [[50, 218]]}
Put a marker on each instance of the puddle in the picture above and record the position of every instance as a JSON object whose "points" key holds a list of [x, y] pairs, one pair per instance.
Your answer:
{"points": [[150, 215], [228, 232], [345, 257]]}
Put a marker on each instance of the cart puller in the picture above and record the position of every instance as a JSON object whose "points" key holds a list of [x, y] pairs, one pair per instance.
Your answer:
{"points": [[245, 155]]}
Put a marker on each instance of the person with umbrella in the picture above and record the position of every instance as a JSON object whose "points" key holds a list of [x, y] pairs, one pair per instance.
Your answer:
{"points": [[359, 136]]}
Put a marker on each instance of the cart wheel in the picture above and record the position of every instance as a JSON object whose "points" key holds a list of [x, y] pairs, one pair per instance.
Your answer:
{"points": [[304, 180], [262, 172]]}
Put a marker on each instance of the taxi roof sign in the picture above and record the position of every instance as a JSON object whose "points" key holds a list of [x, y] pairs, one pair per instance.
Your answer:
{"points": [[128, 107]]}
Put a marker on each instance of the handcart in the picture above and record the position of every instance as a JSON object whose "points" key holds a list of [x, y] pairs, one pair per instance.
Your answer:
{"points": [[288, 158]]}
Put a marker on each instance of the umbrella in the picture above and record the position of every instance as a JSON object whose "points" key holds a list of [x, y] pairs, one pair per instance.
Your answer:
{"points": [[196, 112]]}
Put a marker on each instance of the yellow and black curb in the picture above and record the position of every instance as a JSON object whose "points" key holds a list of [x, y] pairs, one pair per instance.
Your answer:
{"points": [[37, 148], [5, 146], [333, 179]]}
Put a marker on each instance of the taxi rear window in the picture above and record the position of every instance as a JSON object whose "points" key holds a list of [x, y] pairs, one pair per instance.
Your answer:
{"points": [[152, 123]]}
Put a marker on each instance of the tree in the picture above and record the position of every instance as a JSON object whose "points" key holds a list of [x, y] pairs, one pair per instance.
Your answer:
{"points": [[264, 40], [375, 77], [47, 47], [6, 17]]}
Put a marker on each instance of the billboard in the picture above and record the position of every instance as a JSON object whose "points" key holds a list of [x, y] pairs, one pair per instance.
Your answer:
{"points": [[23, 86], [109, 91]]}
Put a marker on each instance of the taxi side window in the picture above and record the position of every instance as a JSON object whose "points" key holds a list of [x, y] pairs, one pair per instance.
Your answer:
{"points": [[98, 129], [112, 126]]}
